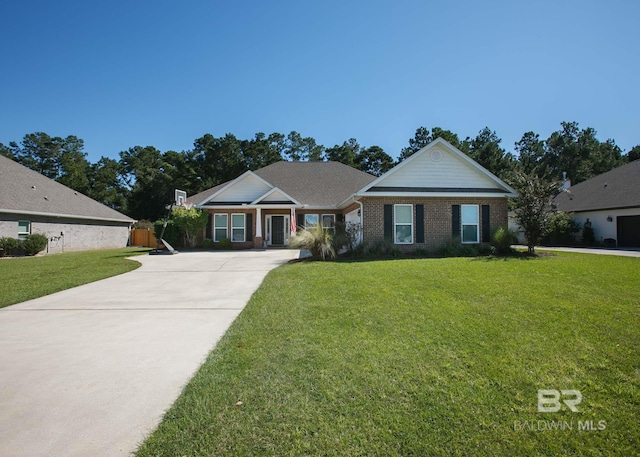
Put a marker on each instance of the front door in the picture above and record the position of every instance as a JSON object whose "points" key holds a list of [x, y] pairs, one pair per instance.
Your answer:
{"points": [[277, 230]]}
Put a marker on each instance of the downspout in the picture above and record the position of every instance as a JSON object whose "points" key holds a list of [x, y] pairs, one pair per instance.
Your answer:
{"points": [[361, 219]]}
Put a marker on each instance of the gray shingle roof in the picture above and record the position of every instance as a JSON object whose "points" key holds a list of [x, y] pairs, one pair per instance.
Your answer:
{"points": [[22, 189], [323, 184], [618, 188]]}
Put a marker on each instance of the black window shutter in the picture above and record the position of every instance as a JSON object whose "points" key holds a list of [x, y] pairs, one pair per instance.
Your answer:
{"points": [[339, 217], [249, 226], [300, 221], [455, 221], [419, 223], [209, 229], [486, 226], [388, 222]]}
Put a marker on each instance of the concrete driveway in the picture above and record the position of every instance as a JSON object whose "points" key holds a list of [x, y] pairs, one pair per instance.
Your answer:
{"points": [[89, 371]]}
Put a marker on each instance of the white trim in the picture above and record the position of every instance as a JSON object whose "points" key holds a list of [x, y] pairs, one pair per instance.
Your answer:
{"points": [[509, 191], [70, 216], [258, 223], [477, 224], [286, 229], [226, 227], [275, 189], [231, 183], [438, 194], [244, 227], [395, 224]]}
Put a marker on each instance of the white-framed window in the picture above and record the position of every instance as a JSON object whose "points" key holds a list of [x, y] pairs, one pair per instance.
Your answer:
{"points": [[470, 224], [220, 227], [238, 228], [310, 220], [403, 224], [24, 229], [329, 222]]}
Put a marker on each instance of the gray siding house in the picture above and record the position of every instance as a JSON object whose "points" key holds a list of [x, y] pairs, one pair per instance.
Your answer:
{"points": [[33, 203]]}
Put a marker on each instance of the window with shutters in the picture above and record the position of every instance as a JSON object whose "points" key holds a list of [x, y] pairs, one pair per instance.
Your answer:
{"points": [[220, 227], [470, 223], [403, 224], [237, 228]]}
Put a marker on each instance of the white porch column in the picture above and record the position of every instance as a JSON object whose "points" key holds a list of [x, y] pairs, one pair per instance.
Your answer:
{"points": [[258, 222]]}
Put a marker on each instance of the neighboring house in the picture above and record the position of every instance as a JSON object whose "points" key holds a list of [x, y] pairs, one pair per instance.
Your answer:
{"points": [[611, 201], [33, 203], [435, 195]]}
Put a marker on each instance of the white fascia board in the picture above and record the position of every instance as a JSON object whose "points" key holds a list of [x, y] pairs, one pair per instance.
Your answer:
{"points": [[452, 149], [233, 182], [352, 199], [252, 206], [68, 216], [438, 194], [275, 189]]}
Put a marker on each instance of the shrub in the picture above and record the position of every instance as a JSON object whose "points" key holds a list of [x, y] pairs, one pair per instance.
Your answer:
{"points": [[561, 229], [455, 248], [143, 224], [502, 240], [34, 243], [380, 248], [316, 240], [207, 243], [190, 222], [224, 243], [7, 244], [172, 234]]}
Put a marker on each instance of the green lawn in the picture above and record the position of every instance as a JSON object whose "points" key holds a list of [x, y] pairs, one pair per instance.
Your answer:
{"points": [[31, 277], [432, 357]]}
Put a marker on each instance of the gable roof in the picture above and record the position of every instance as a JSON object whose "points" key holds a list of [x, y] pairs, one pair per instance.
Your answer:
{"points": [[24, 191], [617, 188], [438, 169], [314, 184]]}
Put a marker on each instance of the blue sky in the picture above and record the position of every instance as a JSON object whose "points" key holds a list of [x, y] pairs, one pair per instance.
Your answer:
{"points": [[119, 74]]}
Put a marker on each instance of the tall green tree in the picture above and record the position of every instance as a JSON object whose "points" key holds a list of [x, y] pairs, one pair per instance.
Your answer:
{"points": [[421, 138], [218, 159], [531, 154], [486, 150], [634, 153], [299, 148], [143, 170], [57, 158], [374, 160], [260, 151], [348, 153], [106, 186]]}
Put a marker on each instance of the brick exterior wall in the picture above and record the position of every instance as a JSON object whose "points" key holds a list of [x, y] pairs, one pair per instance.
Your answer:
{"points": [[236, 245], [79, 235], [437, 217]]}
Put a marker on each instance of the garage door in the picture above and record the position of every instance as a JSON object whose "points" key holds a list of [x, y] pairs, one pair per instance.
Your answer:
{"points": [[629, 231]]}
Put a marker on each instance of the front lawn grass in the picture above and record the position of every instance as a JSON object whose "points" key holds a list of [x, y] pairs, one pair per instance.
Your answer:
{"points": [[432, 357], [32, 277]]}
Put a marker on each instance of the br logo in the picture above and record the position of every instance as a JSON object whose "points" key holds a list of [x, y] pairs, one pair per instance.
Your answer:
{"points": [[549, 400]]}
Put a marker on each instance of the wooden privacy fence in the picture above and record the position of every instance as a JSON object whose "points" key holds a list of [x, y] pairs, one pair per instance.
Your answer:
{"points": [[143, 237]]}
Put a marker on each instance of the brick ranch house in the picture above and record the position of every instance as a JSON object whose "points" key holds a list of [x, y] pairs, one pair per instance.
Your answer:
{"points": [[437, 194]]}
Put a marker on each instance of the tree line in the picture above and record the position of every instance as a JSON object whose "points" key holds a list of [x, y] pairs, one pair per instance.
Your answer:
{"points": [[141, 183]]}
